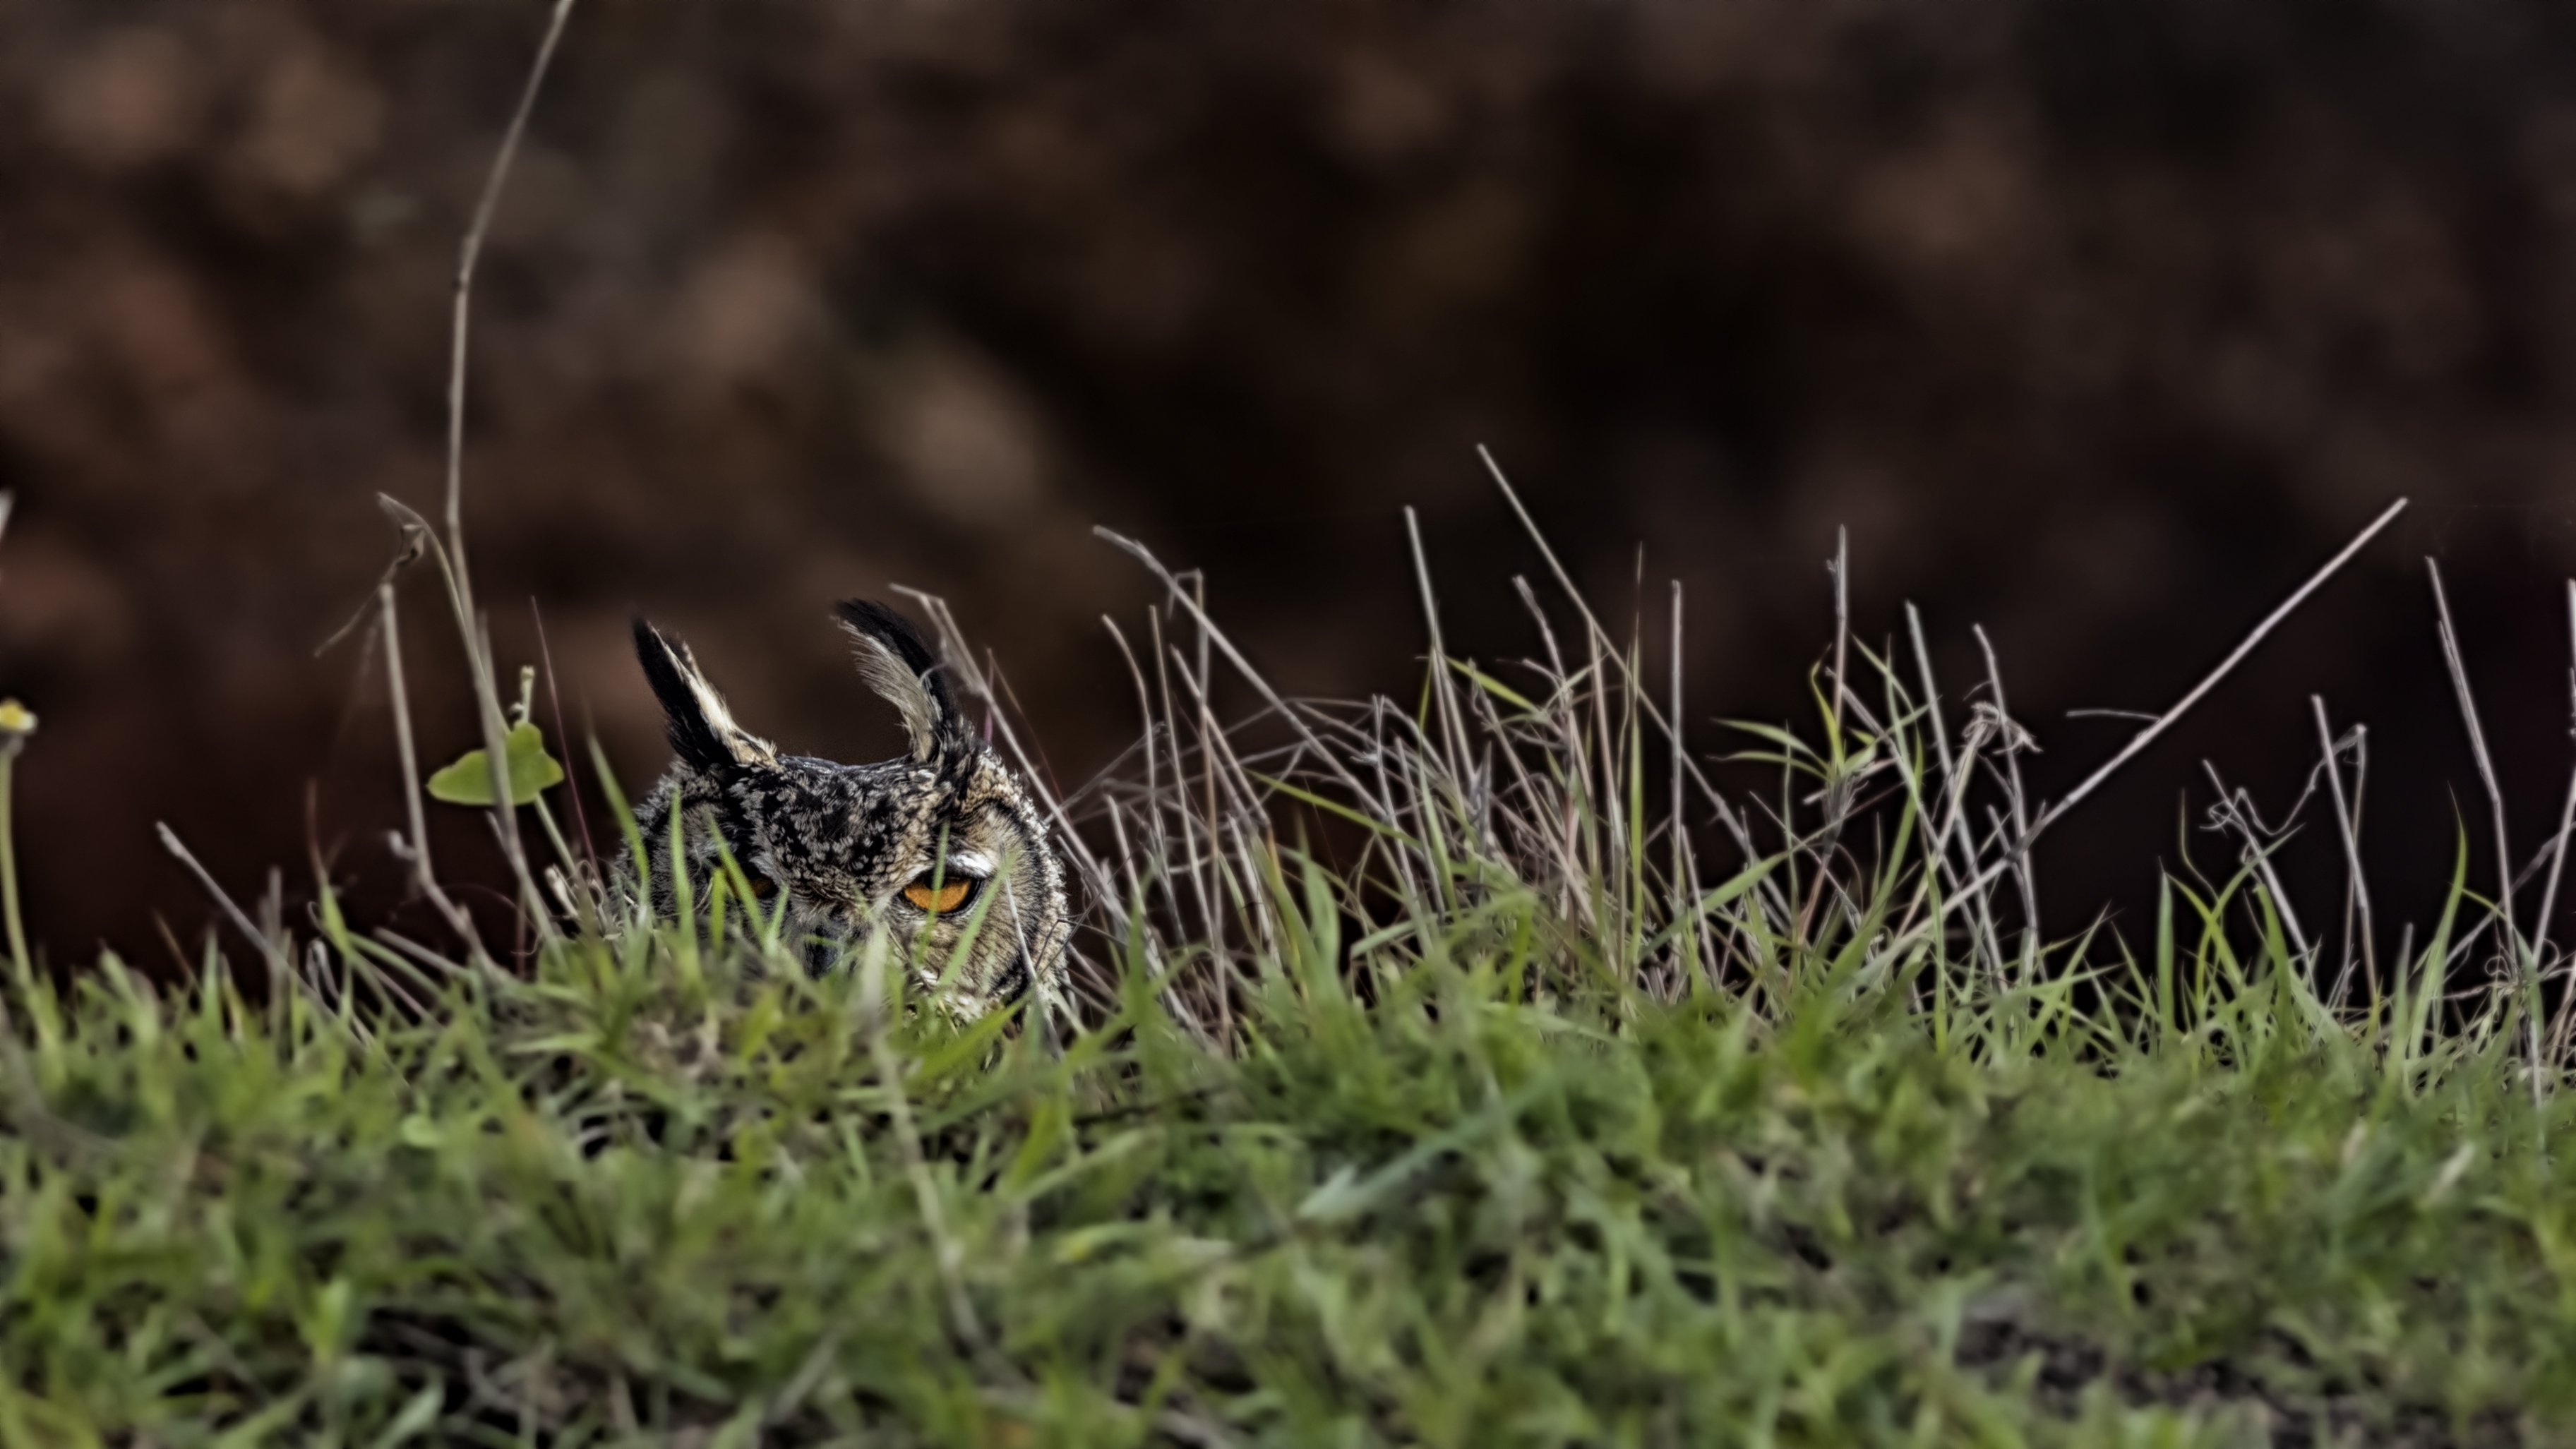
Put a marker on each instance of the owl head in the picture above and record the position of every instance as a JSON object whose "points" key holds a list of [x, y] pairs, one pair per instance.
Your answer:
{"points": [[942, 849]]}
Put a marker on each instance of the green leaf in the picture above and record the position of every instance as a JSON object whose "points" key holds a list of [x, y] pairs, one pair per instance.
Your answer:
{"points": [[532, 771], [415, 1417]]}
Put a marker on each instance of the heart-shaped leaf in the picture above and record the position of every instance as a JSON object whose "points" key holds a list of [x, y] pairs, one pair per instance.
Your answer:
{"points": [[532, 771]]}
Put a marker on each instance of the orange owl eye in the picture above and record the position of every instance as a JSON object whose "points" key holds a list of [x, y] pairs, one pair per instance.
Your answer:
{"points": [[939, 897], [763, 888]]}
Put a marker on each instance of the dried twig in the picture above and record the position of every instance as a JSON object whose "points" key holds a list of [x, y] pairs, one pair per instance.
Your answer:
{"points": [[1726, 813], [2235, 811], [1233, 656], [457, 919], [2200, 691], [2014, 740], [2559, 1029], [2348, 825], [279, 967], [468, 621], [2513, 944], [1453, 729]]}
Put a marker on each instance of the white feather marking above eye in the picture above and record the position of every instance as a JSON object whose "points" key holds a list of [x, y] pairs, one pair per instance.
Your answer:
{"points": [[887, 674], [969, 865]]}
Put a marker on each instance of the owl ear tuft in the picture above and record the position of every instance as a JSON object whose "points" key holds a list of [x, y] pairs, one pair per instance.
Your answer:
{"points": [[899, 664], [703, 732]]}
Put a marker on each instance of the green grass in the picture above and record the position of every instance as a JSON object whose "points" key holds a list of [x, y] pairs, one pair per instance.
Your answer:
{"points": [[1497, 1115], [604, 1204]]}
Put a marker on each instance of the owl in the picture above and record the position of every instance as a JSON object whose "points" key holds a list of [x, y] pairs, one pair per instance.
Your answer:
{"points": [[940, 847]]}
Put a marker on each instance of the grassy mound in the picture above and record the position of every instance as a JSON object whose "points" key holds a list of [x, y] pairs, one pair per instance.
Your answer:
{"points": [[1543, 1092], [1489, 1119], [622, 1201], [1486, 1118]]}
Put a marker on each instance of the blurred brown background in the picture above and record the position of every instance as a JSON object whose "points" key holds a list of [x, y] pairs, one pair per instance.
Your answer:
{"points": [[2098, 322]]}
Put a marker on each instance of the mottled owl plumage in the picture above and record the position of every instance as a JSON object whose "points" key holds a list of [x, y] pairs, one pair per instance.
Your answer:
{"points": [[859, 847]]}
